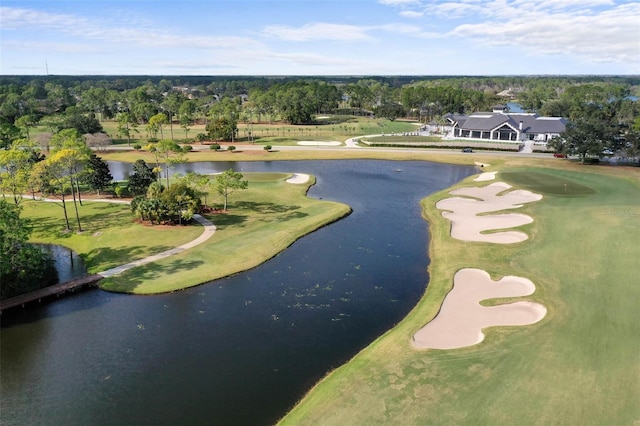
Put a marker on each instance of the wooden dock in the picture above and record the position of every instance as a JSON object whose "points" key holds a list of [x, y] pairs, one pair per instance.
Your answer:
{"points": [[53, 290]]}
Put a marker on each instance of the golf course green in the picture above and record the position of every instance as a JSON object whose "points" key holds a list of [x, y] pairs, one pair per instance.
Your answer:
{"points": [[579, 365]]}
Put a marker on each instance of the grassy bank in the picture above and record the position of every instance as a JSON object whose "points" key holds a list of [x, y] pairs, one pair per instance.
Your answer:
{"points": [[261, 222], [579, 365], [110, 237]]}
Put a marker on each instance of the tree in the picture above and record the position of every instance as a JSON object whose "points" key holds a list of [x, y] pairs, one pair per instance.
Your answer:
{"points": [[199, 182], [221, 128], [171, 104], [8, 133], [97, 174], [180, 202], [584, 137], [126, 125], [23, 267], [169, 151], [25, 122], [155, 125], [70, 139], [296, 105], [49, 179], [389, 110], [187, 111], [229, 182], [141, 178], [177, 203], [15, 166], [83, 123], [97, 140], [64, 165]]}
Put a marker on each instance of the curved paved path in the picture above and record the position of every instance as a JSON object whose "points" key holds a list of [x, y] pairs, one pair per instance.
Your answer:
{"points": [[209, 229]]}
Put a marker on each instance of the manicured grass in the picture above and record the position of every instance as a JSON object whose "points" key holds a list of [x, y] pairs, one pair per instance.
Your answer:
{"points": [[547, 184], [579, 365], [110, 237], [261, 222]]}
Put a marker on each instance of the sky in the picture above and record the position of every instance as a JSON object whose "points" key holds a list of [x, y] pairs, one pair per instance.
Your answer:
{"points": [[320, 37]]}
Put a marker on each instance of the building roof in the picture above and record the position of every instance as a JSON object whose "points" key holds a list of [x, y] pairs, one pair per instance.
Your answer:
{"points": [[487, 121]]}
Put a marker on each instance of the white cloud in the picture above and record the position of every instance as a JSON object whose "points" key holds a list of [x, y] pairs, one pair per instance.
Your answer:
{"points": [[398, 2], [84, 28], [49, 46], [317, 31], [411, 14], [606, 36], [452, 10]]}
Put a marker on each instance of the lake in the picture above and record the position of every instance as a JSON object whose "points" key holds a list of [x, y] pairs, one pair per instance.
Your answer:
{"points": [[240, 350]]}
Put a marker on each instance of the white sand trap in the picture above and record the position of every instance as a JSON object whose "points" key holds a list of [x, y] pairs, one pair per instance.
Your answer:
{"points": [[298, 178], [319, 143], [468, 221], [485, 177], [461, 318]]}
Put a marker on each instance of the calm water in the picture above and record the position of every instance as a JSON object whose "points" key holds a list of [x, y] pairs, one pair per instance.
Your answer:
{"points": [[67, 262], [240, 350]]}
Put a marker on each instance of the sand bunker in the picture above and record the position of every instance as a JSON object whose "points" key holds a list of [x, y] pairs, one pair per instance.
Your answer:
{"points": [[485, 177], [298, 178], [467, 218], [461, 318]]}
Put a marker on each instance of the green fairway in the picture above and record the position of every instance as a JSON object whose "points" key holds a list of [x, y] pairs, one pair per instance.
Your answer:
{"points": [[579, 365], [547, 183]]}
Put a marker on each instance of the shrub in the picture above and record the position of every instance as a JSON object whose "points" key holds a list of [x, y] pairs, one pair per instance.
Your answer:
{"points": [[231, 148], [267, 148], [187, 148], [201, 137], [214, 146], [121, 191], [137, 147]]}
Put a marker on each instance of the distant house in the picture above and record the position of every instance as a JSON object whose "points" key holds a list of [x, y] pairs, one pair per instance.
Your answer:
{"points": [[500, 125]]}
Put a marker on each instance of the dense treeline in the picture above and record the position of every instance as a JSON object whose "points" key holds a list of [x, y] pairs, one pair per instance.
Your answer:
{"points": [[158, 105], [293, 99]]}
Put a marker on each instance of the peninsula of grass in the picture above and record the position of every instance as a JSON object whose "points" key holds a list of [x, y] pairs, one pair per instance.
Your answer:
{"points": [[261, 222], [110, 235], [579, 365]]}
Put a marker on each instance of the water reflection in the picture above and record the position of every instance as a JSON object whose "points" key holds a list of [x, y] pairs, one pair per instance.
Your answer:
{"points": [[67, 262]]}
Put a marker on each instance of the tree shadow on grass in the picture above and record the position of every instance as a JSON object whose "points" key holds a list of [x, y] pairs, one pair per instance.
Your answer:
{"points": [[227, 219], [292, 216], [109, 257], [265, 208], [110, 215], [132, 279]]}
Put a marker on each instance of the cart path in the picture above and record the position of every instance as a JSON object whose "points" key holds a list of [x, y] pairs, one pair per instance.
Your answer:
{"points": [[209, 229]]}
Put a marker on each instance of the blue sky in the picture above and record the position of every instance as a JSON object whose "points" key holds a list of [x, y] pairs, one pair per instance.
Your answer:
{"points": [[319, 37]]}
